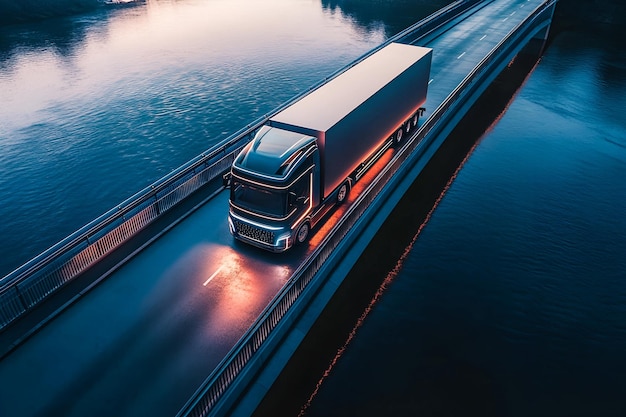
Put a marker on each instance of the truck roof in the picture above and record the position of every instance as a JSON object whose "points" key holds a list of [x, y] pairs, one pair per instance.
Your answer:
{"points": [[273, 151], [324, 107]]}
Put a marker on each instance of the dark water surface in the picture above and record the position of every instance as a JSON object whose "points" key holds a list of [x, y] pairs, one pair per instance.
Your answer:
{"points": [[511, 300]]}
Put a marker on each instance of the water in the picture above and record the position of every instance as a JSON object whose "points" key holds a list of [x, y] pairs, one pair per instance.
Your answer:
{"points": [[97, 106], [511, 300]]}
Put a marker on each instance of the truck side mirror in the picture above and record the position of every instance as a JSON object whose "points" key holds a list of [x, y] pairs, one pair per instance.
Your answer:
{"points": [[226, 179]]}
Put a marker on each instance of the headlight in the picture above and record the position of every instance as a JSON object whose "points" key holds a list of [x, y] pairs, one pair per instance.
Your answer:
{"points": [[283, 241]]}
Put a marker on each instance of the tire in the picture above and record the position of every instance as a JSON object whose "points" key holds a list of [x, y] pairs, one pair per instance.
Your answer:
{"points": [[399, 135], [303, 233], [343, 192]]}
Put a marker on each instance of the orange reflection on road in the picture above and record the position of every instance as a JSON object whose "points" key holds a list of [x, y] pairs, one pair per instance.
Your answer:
{"points": [[335, 215], [239, 289]]}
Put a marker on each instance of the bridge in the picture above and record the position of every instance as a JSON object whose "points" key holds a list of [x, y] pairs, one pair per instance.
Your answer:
{"points": [[153, 309]]}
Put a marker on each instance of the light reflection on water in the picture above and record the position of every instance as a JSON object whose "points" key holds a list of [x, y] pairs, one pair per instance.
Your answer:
{"points": [[96, 107]]}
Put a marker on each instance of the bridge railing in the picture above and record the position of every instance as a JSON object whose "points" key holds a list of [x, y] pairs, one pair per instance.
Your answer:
{"points": [[33, 282], [330, 251]]}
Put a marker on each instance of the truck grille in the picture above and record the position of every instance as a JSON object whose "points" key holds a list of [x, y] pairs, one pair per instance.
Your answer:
{"points": [[255, 233]]}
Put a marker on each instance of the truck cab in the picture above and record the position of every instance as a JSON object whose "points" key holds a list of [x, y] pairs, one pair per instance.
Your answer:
{"points": [[274, 186]]}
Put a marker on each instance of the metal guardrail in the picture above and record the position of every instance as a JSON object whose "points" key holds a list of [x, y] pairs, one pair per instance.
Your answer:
{"points": [[33, 282], [337, 242]]}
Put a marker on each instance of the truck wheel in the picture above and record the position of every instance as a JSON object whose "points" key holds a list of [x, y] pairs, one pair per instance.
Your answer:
{"points": [[344, 190], [303, 233], [399, 136]]}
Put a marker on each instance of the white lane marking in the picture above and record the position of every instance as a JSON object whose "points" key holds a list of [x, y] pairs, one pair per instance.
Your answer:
{"points": [[212, 276], [512, 14], [484, 36], [505, 19], [431, 80], [460, 55]]}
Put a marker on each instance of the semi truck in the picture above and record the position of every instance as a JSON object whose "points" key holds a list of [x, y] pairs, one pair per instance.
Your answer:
{"points": [[304, 160]]}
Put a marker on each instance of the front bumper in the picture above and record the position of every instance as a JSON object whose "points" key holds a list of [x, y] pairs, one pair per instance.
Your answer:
{"points": [[271, 238]]}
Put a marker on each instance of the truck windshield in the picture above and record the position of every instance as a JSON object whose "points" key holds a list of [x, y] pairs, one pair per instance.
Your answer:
{"points": [[258, 199]]}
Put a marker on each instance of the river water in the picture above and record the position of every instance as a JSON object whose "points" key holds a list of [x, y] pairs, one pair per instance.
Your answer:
{"points": [[509, 300]]}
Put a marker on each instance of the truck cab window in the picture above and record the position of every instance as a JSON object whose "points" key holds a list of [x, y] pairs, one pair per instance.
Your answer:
{"points": [[260, 199], [300, 192]]}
